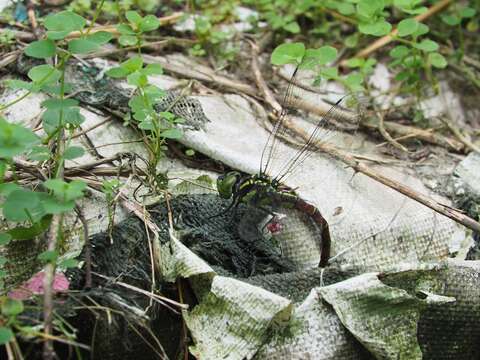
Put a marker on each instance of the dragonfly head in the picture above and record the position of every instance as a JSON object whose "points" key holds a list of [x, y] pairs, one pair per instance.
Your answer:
{"points": [[226, 182]]}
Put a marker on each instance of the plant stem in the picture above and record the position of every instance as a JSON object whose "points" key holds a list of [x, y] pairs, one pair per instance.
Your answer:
{"points": [[53, 236]]}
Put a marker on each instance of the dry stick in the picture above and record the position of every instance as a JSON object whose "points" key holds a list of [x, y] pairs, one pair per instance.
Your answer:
{"points": [[456, 131], [429, 136], [158, 298], [83, 132], [262, 85], [9, 58], [200, 72], [388, 38], [33, 20], [321, 108], [381, 124], [350, 160]]}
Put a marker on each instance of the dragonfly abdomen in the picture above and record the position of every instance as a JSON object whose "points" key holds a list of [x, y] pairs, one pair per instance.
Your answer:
{"points": [[301, 205]]}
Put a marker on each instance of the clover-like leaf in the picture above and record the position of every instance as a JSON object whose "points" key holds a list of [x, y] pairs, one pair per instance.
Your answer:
{"points": [[149, 23], [427, 45], [172, 133], [44, 74], [12, 307], [289, 53], [6, 335], [22, 205], [378, 28], [89, 43], [133, 17], [407, 27], [41, 49], [15, 139], [73, 152], [437, 60], [61, 24]]}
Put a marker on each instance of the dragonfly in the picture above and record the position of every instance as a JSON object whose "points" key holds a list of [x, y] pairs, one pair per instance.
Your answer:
{"points": [[264, 190]]}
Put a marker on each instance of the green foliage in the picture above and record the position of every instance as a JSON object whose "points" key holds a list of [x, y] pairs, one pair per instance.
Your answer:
{"points": [[133, 31], [41, 49], [15, 139], [89, 43], [61, 24]]}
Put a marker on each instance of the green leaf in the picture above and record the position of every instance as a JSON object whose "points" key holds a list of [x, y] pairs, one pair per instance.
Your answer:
{"points": [[329, 73], [15, 139], [7, 188], [30, 232], [48, 256], [399, 51], [59, 103], [172, 134], [39, 153], [190, 152], [149, 23], [127, 40], [351, 41], [320, 56], [290, 53], [5, 239], [41, 49], [100, 37], [355, 62], [53, 205], [117, 72], [437, 60], [451, 19], [125, 29], [61, 24], [369, 8], [12, 307], [89, 43], [82, 46], [137, 79], [427, 45], [345, 8], [5, 335], [133, 64], [292, 27], [407, 27], [467, 12], [354, 81], [133, 17], [422, 29], [153, 69], [66, 191], [44, 74], [378, 28], [54, 118], [69, 263], [19, 204], [73, 152], [19, 84]]}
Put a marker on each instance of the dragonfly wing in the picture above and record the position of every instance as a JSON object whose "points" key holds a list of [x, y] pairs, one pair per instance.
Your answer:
{"points": [[348, 107], [269, 151]]}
